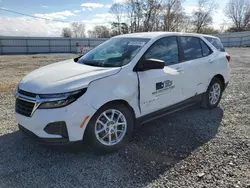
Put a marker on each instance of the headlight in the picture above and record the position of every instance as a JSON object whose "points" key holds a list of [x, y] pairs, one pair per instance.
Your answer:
{"points": [[60, 100]]}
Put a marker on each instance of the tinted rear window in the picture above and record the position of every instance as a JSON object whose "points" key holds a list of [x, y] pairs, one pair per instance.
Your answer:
{"points": [[216, 43], [191, 48]]}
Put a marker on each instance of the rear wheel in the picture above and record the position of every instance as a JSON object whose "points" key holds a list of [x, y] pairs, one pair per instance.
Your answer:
{"points": [[110, 128], [213, 95]]}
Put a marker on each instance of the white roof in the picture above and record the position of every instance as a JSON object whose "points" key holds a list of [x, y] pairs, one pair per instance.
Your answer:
{"points": [[150, 35]]}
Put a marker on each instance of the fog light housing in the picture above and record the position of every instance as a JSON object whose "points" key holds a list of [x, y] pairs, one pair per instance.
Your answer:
{"points": [[57, 128]]}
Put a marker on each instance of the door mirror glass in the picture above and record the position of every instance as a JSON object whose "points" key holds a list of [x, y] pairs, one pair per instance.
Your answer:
{"points": [[149, 64]]}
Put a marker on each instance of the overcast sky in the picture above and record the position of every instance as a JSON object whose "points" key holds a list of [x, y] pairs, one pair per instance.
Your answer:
{"points": [[91, 12]]}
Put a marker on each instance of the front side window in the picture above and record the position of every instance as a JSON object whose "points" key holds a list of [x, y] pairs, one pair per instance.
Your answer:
{"points": [[191, 48], [115, 52], [165, 49]]}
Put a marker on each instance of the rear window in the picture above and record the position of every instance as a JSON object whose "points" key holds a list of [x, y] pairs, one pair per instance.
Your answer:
{"points": [[216, 43]]}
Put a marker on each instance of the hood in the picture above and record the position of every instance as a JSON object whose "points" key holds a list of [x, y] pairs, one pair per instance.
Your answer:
{"points": [[63, 77]]}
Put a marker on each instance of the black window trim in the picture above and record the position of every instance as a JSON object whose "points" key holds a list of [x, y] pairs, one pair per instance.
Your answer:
{"points": [[179, 51], [182, 51]]}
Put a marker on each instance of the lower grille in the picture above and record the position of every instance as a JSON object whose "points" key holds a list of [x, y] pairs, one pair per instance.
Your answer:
{"points": [[24, 108]]}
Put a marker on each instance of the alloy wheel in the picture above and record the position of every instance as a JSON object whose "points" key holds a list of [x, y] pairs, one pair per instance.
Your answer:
{"points": [[110, 127]]}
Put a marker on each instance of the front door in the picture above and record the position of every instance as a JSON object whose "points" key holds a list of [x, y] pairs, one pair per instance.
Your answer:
{"points": [[163, 87]]}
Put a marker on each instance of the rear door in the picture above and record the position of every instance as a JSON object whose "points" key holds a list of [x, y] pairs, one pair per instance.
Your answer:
{"points": [[206, 65], [195, 61], [220, 62]]}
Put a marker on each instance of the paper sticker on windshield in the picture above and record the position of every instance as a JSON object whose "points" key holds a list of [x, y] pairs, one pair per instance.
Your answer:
{"points": [[133, 43]]}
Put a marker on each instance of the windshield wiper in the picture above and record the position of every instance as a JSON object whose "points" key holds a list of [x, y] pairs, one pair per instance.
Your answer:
{"points": [[97, 64]]}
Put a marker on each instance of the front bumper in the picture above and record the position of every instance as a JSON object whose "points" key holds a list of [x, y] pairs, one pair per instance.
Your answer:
{"points": [[45, 141], [73, 115]]}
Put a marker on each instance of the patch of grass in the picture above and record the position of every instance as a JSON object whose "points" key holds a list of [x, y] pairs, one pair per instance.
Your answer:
{"points": [[7, 87]]}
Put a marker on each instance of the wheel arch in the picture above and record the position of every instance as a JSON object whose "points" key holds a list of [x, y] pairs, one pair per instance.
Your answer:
{"points": [[120, 101], [205, 103], [89, 131], [221, 78]]}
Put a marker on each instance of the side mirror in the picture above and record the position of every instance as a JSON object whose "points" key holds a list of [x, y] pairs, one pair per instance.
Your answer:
{"points": [[149, 64], [77, 58]]}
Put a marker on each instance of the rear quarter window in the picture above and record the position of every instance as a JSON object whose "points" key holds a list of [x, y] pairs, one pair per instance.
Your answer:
{"points": [[205, 49], [216, 43]]}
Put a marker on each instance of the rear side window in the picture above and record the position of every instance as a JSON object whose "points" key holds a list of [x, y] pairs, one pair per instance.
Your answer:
{"points": [[216, 43], [205, 49], [191, 48]]}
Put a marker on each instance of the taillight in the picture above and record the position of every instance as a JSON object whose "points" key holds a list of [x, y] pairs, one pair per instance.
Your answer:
{"points": [[228, 58]]}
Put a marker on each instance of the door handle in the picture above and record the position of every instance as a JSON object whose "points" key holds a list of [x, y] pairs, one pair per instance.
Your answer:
{"points": [[210, 61]]}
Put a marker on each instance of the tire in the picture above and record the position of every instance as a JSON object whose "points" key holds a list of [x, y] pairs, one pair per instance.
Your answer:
{"points": [[207, 101], [98, 122]]}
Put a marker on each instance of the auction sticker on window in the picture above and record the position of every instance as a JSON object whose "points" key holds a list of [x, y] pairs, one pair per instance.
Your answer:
{"points": [[134, 43]]}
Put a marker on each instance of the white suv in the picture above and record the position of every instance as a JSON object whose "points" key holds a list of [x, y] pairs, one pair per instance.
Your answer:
{"points": [[101, 96]]}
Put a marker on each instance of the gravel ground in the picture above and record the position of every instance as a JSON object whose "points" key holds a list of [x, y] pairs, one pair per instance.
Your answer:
{"points": [[193, 148]]}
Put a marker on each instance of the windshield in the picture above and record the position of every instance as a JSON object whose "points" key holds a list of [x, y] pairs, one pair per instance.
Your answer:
{"points": [[115, 52]]}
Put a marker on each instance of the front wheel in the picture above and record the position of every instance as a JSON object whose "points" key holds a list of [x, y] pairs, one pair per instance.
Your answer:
{"points": [[213, 95], [110, 128]]}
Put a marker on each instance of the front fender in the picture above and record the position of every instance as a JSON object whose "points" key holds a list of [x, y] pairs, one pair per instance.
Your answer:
{"points": [[121, 86]]}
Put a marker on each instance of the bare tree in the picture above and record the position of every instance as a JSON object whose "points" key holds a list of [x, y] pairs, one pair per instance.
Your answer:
{"points": [[117, 10], [142, 15], [224, 25], [185, 23], [158, 15], [173, 15], [90, 34], [115, 31], [153, 15], [99, 32], [151, 10], [78, 29], [202, 17], [134, 12], [66, 32], [238, 11], [210, 30]]}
